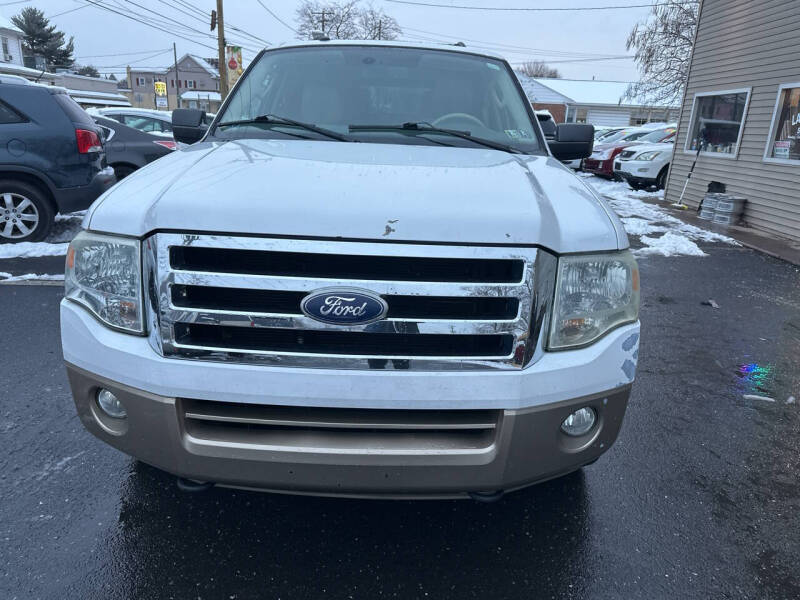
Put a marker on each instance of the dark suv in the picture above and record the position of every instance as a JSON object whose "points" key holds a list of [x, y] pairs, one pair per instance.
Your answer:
{"points": [[51, 160]]}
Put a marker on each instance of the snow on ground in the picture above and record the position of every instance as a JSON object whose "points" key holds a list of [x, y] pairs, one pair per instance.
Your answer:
{"points": [[64, 229], [642, 219]]}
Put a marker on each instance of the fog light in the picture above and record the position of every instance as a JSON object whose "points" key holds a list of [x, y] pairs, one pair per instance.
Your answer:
{"points": [[579, 422], [110, 404]]}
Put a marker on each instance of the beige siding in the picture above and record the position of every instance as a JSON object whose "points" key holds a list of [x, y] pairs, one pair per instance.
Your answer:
{"points": [[744, 44]]}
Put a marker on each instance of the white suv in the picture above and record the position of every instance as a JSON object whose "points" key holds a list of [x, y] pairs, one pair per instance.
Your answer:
{"points": [[369, 276], [645, 166]]}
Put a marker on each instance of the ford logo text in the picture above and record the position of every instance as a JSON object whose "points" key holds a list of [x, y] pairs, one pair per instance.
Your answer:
{"points": [[344, 306]]}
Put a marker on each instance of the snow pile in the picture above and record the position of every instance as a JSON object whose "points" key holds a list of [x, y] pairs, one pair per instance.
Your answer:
{"points": [[32, 249], [642, 219]]}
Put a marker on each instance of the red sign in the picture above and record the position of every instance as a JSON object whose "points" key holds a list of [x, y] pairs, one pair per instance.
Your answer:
{"points": [[232, 64]]}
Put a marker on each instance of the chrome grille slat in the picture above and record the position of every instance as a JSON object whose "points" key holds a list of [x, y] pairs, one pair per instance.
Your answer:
{"points": [[166, 318]]}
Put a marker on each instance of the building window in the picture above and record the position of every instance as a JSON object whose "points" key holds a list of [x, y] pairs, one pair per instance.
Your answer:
{"points": [[140, 81], [716, 123], [783, 144], [172, 83], [6, 53]]}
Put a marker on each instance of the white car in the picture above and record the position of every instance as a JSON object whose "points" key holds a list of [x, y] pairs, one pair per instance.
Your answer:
{"points": [[645, 166], [387, 289], [156, 122]]}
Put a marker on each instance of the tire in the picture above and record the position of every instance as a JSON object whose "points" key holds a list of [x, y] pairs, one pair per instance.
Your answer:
{"points": [[661, 180], [26, 214], [122, 171]]}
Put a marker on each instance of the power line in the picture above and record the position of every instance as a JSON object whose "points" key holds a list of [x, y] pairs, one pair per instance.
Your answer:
{"points": [[277, 18], [203, 17], [67, 11], [119, 54], [143, 22], [529, 9]]}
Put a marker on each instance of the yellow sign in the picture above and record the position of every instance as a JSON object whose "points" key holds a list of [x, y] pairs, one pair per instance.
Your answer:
{"points": [[233, 58], [161, 88]]}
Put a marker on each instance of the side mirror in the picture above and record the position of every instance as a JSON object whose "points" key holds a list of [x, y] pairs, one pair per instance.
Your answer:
{"points": [[188, 125], [572, 141]]}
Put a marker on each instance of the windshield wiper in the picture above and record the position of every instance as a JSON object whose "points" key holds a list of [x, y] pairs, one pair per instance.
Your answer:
{"points": [[423, 127], [276, 120]]}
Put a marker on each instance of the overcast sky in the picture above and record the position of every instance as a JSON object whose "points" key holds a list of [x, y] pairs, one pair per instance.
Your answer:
{"points": [[564, 39]]}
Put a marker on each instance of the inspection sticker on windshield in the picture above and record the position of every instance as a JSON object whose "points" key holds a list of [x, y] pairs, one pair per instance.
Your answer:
{"points": [[516, 133]]}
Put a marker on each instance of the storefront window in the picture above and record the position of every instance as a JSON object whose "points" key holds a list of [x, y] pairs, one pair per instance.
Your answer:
{"points": [[784, 139], [717, 121]]}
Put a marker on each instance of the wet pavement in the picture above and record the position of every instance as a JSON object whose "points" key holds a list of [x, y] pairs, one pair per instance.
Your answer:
{"points": [[699, 498]]}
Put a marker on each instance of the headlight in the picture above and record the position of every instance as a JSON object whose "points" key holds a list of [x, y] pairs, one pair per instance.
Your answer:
{"points": [[648, 155], [104, 274], [594, 294]]}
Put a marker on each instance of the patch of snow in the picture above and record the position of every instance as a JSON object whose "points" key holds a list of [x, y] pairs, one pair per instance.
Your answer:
{"points": [[642, 218], [755, 397], [31, 277], [32, 249], [669, 244]]}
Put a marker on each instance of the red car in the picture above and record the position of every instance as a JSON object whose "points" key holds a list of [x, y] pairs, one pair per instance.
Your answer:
{"points": [[601, 162]]}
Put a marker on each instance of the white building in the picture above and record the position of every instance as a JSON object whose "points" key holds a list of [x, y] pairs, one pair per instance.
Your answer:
{"points": [[590, 101]]}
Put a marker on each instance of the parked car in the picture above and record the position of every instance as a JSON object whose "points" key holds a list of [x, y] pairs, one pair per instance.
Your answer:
{"points": [[645, 166], [51, 160], [156, 122], [128, 149], [601, 162], [439, 310]]}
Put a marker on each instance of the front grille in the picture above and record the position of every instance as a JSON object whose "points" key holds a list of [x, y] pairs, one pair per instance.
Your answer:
{"points": [[225, 298], [378, 268], [381, 431]]}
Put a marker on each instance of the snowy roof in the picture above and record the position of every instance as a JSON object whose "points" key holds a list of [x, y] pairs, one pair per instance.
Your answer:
{"points": [[578, 91], [13, 69], [98, 98], [204, 64], [197, 95], [7, 24]]}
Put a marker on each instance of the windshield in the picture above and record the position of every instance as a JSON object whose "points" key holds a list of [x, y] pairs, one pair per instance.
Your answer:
{"points": [[342, 88], [657, 135]]}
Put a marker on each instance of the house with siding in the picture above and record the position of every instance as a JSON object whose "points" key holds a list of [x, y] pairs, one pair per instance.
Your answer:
{"points": [[197, 84], [740, 118], [600, 103]]}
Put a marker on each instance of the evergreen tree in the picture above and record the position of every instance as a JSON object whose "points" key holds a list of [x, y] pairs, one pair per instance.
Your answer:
{"points": [[42, 38], [88, 70]]}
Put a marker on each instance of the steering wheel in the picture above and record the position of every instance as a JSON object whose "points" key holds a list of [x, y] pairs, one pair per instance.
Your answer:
{"points": [[455, 116]]}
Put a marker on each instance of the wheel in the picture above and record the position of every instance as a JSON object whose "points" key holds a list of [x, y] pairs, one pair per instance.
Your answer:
{"points": [[661, 180], [26, 215], [122, 171]]}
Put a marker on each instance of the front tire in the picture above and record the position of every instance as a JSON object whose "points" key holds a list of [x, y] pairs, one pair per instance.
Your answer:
{"points": [[122, 171], [26, 214], [661, 180]]}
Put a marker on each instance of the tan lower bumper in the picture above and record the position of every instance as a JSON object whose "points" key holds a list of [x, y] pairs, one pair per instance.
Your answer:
{"points": [[525, 446]]}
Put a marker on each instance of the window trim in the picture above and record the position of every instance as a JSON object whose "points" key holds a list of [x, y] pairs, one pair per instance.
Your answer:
{"points": [[767, 158], [734, 155]]}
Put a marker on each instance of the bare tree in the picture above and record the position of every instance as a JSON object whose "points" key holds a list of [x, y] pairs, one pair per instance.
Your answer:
{"points": [[663, 46], [538, 68], [375, 24], [337, 20], [345, 20]]}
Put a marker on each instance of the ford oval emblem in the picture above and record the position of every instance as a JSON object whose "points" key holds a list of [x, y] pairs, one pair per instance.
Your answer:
{"points": [[344, 306]]}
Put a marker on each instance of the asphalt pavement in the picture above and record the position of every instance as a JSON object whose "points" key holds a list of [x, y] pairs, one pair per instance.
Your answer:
{"points": [[699, 498]]}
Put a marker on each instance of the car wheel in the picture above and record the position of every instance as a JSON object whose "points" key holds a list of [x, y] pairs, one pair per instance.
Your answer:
{"points": [[122, 171], [661, 180], [26, 215]]}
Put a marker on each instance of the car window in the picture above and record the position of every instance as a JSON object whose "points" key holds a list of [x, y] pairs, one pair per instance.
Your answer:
{"points": [[142, 123], [657, 135], [339, 86], [635, 135], [9, 115]]}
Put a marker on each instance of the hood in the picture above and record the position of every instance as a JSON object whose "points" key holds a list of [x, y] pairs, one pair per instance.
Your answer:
{"points": [[653, 147], [361, 191]]}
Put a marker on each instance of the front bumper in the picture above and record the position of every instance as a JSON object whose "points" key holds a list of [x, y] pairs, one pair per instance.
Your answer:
{"points": [[639, 171], [526, 445], [81, 197], [599, 167]]}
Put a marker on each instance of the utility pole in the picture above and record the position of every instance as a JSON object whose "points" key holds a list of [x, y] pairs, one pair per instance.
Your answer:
{"points": [[380, 28], [177, 78], [223, 73], [321, 17]]}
